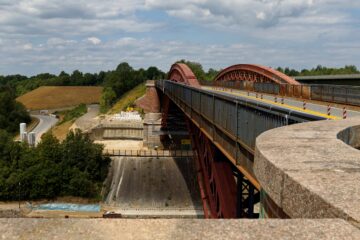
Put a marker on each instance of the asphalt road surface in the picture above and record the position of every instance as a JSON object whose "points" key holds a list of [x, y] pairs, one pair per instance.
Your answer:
{"points": [[291, 104], [46, 122]]}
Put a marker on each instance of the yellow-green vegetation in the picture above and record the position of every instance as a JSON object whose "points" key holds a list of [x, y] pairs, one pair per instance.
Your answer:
{"points": [[67, 118], [128, 99], [73, 114], [60, 97], [60, 131]]}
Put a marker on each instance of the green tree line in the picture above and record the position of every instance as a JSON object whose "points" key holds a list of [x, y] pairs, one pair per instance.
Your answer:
{"points": [[74, 167], [319, 70], [12, 113]]}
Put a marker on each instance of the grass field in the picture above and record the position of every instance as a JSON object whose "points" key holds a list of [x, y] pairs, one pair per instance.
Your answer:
{"points": [[60, 97], [60, 131], [128, 98]]}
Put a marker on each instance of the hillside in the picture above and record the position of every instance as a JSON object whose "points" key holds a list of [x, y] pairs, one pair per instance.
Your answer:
{"points": [[128, 98], [60, 97]]}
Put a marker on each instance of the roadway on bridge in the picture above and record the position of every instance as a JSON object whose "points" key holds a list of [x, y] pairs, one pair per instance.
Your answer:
{"points": [[291, 104]]}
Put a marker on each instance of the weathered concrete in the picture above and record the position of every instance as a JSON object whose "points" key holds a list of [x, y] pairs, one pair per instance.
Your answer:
{"points": [[310, 173], [150, 102], [90, 229], [118, 130], [153, 184]]}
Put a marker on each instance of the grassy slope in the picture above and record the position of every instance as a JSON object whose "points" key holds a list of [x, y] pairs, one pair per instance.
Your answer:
{"points": [[60, 97], [67, 118], [128, 98]]}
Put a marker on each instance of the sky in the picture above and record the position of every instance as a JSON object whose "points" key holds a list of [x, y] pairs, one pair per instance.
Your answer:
{"points": [[39, 36]]}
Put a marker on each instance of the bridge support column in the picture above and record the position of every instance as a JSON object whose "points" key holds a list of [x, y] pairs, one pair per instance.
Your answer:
{"points": [[150, 102]]}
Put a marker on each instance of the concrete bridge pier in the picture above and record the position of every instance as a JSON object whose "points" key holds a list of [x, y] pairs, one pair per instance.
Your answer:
{"points": [[150, 102]]}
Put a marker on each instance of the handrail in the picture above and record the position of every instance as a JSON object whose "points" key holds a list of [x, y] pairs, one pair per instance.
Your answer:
{"points": [[349, 95], [148, 153]]}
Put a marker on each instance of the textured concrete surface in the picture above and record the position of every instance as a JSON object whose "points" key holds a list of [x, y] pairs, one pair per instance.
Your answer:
{"points": [[175, 229], [150, 102], [153, 184], [309, 172]]}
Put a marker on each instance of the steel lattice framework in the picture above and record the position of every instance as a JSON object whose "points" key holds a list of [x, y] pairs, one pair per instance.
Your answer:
{"points": [[254, 73]]}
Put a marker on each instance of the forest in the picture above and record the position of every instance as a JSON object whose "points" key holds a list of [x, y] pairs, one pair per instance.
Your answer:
{"points": [[74, 167]]}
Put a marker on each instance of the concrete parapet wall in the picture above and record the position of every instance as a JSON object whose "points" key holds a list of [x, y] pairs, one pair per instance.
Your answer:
{"points": [[123, 134], [90, 229], [309, 172], [118, 131], [351, 136]]}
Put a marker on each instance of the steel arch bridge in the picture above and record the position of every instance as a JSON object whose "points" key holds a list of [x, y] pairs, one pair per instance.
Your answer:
{"points": [[224, 118], [226, 192]]}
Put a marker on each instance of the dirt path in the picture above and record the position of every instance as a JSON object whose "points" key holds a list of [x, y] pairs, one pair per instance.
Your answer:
{"points": [[88, 120]]}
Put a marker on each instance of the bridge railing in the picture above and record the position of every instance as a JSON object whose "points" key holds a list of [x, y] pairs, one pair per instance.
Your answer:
{"points": [[148, 153], [231, 122], [349, 95]]}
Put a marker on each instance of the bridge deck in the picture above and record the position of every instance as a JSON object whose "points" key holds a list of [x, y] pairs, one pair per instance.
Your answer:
{"points": [[312, 108]]}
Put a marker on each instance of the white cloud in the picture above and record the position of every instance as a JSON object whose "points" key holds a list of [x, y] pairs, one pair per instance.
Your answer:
{"points": [[94, 40], [27, 46], [68, 17], [144, 52], [234, 12], [96, 35]]}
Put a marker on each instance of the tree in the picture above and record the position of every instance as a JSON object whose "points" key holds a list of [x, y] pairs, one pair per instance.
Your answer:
{"points": [[153, 73], [108, 97], [12, 113]]}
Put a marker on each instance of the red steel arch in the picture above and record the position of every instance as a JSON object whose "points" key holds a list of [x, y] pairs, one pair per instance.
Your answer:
{"points": [[214, 173], [180, 72], [254, 73]]}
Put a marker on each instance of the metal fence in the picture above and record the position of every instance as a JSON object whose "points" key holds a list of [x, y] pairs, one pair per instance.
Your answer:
{"points": [[231, 122], [148, 153], [329, 93]]}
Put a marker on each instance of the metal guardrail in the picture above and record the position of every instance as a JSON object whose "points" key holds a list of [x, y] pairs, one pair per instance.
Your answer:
{"points": [[148, 153], [349, 95], [231, 122]]}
